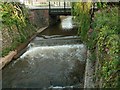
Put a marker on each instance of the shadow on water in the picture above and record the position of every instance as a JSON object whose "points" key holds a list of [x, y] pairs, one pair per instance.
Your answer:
{"points": [[65, 27], [54, 59]]}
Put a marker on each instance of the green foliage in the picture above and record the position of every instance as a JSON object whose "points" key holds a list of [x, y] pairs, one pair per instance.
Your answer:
{"points": [[6, 51], [101, 5], [12, 14], [102, 40], [15, 18], [81, 11], [108, 42]]}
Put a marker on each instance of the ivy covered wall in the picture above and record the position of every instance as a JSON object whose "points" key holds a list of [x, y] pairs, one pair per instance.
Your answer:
{"points": [[16, 27], [100, 30]]}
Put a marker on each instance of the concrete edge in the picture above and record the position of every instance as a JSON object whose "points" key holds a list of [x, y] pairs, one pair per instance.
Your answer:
{"points": [[89, 72], [18, 51]]}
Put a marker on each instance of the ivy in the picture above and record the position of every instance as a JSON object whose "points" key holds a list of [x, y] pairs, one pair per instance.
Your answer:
{"points": [[14, 16], [101, 35], [81, 11], [106, 23]]}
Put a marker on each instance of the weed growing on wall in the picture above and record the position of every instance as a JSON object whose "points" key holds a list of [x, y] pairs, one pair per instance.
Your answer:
{"points": [[100, 33], [14, 17]]}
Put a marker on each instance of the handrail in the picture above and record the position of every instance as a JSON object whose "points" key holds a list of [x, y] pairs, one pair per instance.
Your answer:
{"points": [[49, 6]]}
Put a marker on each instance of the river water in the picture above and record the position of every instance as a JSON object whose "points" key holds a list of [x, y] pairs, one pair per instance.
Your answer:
{"points": [[54, 60]]}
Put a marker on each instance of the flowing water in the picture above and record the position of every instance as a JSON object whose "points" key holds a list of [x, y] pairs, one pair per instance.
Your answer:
{"points": [[54, 60]]}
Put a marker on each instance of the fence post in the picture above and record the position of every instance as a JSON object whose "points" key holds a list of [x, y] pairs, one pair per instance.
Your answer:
{"points": [[64, 6], [49, 7]]}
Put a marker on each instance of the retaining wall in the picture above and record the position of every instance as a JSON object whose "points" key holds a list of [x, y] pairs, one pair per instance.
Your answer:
{"points": [[41, 18]]}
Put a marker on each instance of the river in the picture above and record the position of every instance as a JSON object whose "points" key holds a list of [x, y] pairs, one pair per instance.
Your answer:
{"points": [[54, 59]]}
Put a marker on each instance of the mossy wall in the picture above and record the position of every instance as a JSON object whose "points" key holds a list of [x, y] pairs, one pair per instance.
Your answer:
{"points": [[100, 30], [39, 18], [16, 27]]}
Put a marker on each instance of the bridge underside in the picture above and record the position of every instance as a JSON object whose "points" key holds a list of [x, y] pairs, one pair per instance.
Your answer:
{"points": [[48, 15], [64, 13], [53, 19], [60, 11], [54, 10]]}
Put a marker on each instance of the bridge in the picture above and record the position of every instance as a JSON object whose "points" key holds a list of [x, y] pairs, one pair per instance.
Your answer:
{"points": [[55, 8], [50, 13]]}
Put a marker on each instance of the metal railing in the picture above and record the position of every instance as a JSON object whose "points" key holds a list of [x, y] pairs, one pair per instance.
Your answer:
{"points": [[59, 4], [59, 7]]}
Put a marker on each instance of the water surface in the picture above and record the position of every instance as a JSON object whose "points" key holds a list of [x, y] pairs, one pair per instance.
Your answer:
{"points": [[54, 59]]}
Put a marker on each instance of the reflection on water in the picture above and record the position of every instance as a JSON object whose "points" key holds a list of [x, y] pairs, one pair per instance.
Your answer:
{"points": [[65, 28], [53, 60]]}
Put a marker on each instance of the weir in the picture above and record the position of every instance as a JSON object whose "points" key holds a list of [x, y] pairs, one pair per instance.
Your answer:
{"points": [[54, 59]]}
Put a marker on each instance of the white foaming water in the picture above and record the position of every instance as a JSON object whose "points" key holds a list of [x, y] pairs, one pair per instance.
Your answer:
{"points": [[69, 51], [67, 25]]}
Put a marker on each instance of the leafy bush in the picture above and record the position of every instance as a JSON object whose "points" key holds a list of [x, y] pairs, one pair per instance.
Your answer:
{"points": [[108, 42], [81, 11], [102, 39]]}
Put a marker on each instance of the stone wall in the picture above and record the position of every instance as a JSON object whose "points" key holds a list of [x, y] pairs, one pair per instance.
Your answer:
{"points": [[39, 18], [7, 37]]}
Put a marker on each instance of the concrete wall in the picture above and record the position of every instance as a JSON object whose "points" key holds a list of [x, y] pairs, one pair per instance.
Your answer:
{"points": [[41, 18]]}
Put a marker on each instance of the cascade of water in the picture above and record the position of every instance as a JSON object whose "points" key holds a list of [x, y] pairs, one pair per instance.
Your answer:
{"points": [[53, 61]]}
